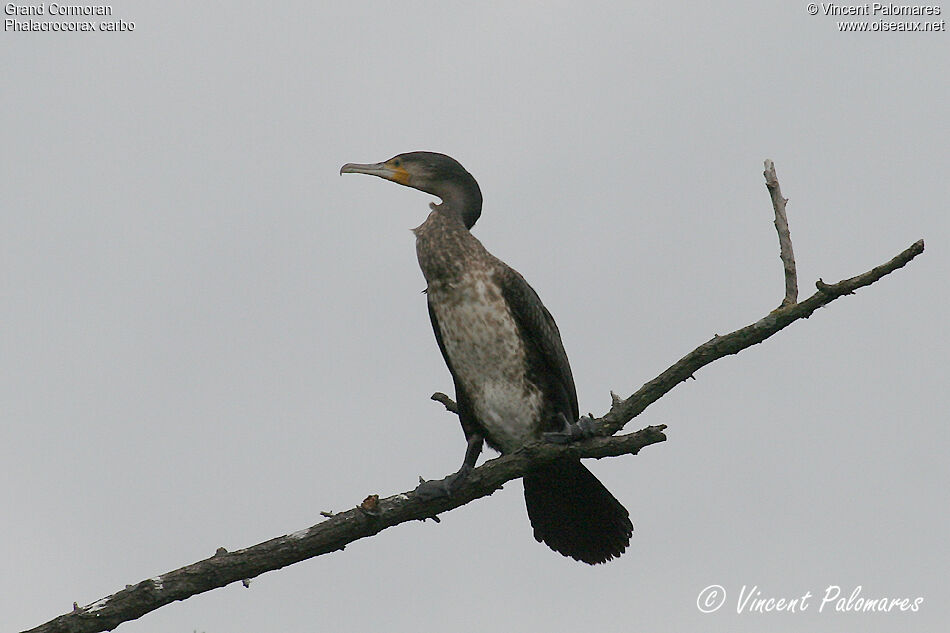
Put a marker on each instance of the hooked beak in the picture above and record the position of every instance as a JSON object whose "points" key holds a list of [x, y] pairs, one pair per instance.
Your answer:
{"points": [[383, 170]]}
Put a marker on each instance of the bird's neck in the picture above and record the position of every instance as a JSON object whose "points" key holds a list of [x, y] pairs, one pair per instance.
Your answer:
{"points": [[444, 246], [461, 202]]}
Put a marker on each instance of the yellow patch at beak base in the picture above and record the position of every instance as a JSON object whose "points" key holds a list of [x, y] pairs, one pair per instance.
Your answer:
{"points": [[398, 174]]}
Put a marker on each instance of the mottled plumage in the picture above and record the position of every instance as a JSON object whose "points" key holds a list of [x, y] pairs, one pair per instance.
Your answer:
{"points": [[512, 378], [478, 334]]}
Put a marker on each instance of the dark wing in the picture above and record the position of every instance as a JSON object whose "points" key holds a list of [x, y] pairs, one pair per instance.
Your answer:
{"points": [[466, 417], [547, 361]]}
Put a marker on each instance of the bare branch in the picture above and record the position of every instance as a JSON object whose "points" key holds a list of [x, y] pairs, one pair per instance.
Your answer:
{"points": [[733, 343], [784, 236], [450, 405], [372, 516]]}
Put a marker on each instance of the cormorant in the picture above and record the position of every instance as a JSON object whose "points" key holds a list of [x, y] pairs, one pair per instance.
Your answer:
{"points": [[513, 383]]}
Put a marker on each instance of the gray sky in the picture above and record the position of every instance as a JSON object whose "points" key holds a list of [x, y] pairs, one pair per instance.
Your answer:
{"points": [[207, 336]]}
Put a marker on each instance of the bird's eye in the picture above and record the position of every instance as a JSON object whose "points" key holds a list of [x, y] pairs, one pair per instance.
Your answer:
{"points": [[396, 162]]}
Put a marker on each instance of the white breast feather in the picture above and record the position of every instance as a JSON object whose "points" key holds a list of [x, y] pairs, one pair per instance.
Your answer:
{"points": [[486, 350]]}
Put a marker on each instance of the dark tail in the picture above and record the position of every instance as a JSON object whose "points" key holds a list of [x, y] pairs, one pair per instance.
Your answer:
{"points": [[574, 514]]}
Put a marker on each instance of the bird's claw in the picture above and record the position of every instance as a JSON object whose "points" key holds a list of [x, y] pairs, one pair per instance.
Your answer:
{"points": [[429, 490], [442, 488], [580, 430]]}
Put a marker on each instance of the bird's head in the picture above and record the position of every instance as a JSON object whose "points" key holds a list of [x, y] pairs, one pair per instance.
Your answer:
{"points": [[433, 173]]}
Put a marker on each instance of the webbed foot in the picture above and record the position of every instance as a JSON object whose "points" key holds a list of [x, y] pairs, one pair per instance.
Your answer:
{"points": [[442, 488], [580, 430]]}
